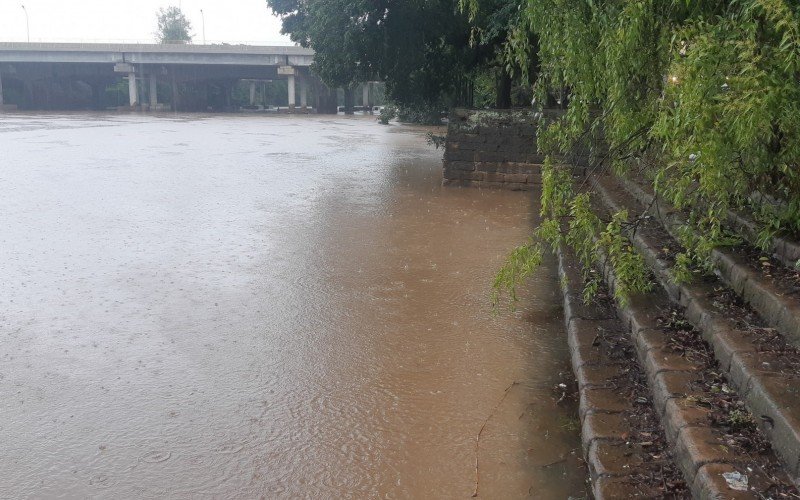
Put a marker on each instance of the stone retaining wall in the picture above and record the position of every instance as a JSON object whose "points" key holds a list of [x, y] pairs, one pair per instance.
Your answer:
{"points": [[494, 148]]}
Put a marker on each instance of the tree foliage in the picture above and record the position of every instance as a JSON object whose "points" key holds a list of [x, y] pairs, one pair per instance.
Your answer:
{"points": [[173, 27], [495, 26], [700, 97], [420, 48]]}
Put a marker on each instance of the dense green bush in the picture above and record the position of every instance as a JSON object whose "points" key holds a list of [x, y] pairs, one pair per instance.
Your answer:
{"points": [[422, 114], [699, 98], [388, 113]]}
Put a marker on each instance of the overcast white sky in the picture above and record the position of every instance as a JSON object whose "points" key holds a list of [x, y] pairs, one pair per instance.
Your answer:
{"points": [[135, 20]]}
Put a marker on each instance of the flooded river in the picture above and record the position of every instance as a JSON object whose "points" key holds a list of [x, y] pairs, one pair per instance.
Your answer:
{"points": [[265, 307]]}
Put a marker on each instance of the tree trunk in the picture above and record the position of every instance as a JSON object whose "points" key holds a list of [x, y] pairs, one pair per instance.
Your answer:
{"points": [[348, 101], [503, 96], [471, 102]]}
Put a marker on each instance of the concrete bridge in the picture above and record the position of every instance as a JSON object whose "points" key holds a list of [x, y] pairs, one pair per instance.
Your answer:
{"points": [[36, 70]]}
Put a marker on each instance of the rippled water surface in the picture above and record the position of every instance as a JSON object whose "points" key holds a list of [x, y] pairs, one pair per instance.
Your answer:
{"points": [[272, 307]]}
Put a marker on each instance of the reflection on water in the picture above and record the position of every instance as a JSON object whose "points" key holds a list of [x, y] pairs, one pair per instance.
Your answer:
{"points": [[265, 307]]}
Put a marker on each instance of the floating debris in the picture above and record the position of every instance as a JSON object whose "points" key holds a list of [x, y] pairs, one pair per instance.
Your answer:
{"points": [[736, 480]]}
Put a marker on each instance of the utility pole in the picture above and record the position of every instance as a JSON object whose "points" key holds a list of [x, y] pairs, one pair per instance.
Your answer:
{"points": [[203, 17], [27, 23]]}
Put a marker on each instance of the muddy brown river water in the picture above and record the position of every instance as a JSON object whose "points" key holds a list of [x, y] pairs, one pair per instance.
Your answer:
{"points": [[265, 307]]}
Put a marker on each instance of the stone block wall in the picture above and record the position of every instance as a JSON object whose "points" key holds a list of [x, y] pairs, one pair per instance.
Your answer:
{"points": [[493, 148]]}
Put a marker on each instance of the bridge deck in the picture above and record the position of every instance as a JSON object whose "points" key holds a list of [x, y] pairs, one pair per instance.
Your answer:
{"points": [[155, 47], [155, 54]]}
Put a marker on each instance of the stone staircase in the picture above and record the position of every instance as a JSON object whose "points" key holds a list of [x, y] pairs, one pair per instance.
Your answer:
{"points": [[719, 354]]}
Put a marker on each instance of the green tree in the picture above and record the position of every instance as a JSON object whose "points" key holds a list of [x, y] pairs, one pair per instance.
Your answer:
{"points": [[418, 47], [700, 98], [492, 23], [173, 27]]}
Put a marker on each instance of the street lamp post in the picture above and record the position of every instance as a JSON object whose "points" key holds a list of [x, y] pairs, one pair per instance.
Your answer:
{"points": [[203, 17], [27, 23]]}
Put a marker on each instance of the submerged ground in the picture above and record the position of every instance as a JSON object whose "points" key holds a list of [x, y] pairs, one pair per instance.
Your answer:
{"points": [[278, 306]]}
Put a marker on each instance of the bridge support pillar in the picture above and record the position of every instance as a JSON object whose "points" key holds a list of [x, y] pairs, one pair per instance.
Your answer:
{"points": [[290, 84], [133, 90], [303, 93], [1, 89], [175, 95], [253, 93], [153, 92]]}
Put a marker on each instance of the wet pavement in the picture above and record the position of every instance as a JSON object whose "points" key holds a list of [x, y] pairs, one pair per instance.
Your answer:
{"points": [[248, 306]]}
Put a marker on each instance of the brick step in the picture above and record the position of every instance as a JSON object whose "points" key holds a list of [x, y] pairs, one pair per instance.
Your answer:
{"points": [[776, 305], [784, 249], [764, 374], [616, 455], [619, 425]]}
